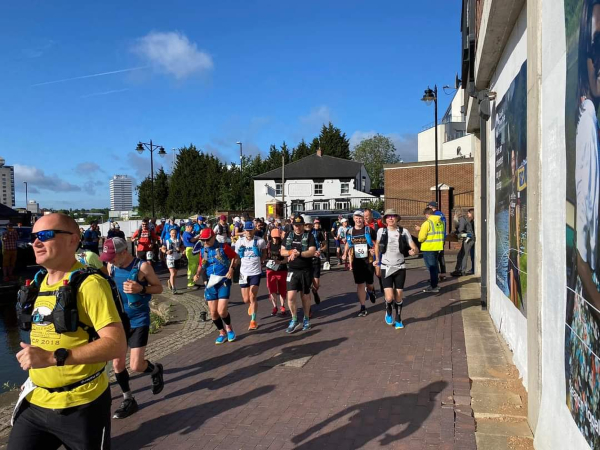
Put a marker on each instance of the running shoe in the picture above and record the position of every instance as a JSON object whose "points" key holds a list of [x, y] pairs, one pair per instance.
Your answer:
{"points": [[282, 311], [221, 339], [128, 407], [274, 311], [294, 325], [398, 325], [158, 383], [231, 336], [372, 296], [253, 325], [431, 289], [388, 319], [317, 297], [362, 313], [306, 325]]}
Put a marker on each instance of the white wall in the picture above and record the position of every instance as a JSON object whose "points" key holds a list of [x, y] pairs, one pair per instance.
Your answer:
{"points": [[467, 144], [511, 323], [426, 143]]}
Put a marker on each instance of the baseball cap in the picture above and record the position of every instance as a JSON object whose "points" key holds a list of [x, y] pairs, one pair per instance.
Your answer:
{"points": [[275, 233], [317, 221], [189, 223], [249, 226], [236, 219], [222, 217], [298, 220], [200, 218], [308, 220], [432, 204], [206, 233], [358, 212], [344, 220], [112, 247]]}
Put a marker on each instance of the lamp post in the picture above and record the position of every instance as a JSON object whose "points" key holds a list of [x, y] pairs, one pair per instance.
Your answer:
{"points": [[26, 197], [241, 160], [428, 97], [161, 151]]}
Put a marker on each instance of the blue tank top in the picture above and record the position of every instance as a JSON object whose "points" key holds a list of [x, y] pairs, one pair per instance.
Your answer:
{"points": [[137, 306]]}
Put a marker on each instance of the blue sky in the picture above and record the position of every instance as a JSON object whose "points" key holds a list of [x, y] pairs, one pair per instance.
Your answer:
{"points": [[82, 83]]}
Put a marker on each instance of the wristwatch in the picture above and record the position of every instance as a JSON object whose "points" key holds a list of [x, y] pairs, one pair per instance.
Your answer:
{"points": [[143, 291], [61, 355]]}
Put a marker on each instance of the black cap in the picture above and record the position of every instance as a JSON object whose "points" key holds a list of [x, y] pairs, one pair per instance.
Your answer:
{"points": [[298, 220]]}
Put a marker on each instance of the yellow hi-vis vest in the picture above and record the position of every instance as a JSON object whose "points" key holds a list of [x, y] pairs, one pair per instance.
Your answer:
{"points": [[435, 235]]}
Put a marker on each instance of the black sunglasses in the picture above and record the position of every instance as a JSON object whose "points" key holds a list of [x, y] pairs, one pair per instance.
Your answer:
{"points": [[46, 235]]}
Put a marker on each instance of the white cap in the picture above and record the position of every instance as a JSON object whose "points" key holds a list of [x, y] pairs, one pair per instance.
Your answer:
{"points": [[308, 220], [236, 219], [358, 212], [344, 220]]}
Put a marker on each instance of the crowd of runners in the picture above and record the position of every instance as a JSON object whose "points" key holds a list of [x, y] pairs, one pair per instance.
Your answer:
{"points": [[84, 309]]}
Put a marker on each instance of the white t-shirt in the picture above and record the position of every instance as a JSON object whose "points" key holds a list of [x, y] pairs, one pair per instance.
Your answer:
{"points": [[176, 247], [342, 232], [222, 238], [393, 256], [250, 262]]}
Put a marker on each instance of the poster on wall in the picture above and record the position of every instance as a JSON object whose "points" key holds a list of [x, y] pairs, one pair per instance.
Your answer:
{"points": [[511, 191], [582, 327]]}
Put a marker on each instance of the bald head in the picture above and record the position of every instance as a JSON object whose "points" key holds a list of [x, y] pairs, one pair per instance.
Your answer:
{"points": [[57, 221]]}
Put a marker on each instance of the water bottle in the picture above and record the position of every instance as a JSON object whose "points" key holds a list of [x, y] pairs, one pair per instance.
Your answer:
{"points": [[133, 300]]}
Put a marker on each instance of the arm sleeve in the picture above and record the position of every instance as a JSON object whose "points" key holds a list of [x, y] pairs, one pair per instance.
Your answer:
{"points": [[229, 251]]}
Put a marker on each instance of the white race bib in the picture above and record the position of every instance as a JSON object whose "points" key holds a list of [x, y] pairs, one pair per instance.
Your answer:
{"points": [[243, 279], [289, 277], [361, 250], [26, 389]]}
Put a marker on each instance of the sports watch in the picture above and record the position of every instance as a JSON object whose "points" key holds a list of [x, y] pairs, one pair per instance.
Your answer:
{"points": [[61, 355]]}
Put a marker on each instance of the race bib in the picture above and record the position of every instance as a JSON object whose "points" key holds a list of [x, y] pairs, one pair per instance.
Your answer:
{"points": [[243, 279], [361, 251], [289, 277], [26, 389], [272, 265]]}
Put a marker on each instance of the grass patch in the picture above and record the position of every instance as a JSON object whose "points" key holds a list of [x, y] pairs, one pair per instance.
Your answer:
{"points": [[156, 322]]}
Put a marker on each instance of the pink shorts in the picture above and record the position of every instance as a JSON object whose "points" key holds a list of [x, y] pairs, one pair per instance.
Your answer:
{"points": [[276, 282]]}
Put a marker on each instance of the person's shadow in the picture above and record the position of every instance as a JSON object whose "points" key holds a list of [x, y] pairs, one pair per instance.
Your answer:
{"points": [[365, 424]]}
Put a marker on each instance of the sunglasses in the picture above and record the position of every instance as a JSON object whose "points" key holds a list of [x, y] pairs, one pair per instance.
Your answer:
{"points": [[46, 235]]}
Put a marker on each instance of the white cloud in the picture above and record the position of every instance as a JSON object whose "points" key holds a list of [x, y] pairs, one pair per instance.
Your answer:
{"points": [[406, 144], [36, 178], [173, 53], [317, 117]]}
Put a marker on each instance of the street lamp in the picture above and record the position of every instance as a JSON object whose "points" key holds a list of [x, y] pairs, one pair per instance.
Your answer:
{"points": [[241, 160], [26, 198], [428, 97], [161, 151]]}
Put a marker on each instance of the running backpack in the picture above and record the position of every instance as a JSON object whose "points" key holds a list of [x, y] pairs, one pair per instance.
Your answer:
{"points": [[290, 238], [368, 236], [255, 249], [65, 315], [402, 245]]}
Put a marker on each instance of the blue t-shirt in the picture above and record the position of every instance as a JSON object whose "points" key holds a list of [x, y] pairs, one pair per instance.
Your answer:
{"points": [[198, 228], [91, 237], [136, 306], [166, 232], [187, 236], [443, 219]]}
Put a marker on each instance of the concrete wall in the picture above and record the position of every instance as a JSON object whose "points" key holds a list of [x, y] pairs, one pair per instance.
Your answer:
{"points": [[426, 144]]}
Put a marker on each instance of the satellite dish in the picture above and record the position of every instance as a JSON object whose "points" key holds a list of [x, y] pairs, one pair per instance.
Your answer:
{"points": [[457, 82]]}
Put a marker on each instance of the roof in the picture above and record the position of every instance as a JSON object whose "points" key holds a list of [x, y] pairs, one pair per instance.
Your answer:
{"points": [[6, 212], [315, 166], [441, 162]]}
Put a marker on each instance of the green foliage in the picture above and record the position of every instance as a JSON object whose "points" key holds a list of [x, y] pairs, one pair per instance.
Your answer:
{"points": [[374, 152], [156, 322], [302, 150], [375, 205], [333, 142]]}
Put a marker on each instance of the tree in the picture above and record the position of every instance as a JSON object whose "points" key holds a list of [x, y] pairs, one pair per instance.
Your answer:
{"points": [[333, 142], [374, 152], [161, 193], [302, 150]]}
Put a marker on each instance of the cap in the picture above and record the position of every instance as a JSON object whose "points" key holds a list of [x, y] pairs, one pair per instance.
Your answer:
{"points": [[344, 220], [390, 212], [223, 217], [358, 212], [200, 218], [117, 225], [275, 233], [236, 219], [317, 221], [189, 223], [111, 248], [249, 226], [298, 220], [432, 204], [206, 233], [308, 220]]}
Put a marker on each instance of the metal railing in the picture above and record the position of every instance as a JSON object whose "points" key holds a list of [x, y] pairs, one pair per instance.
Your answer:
{"points": [[463, 200], [330, 204], [406, 206]]}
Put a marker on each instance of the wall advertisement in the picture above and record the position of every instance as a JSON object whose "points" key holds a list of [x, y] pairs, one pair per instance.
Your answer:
{"points": [[511, 191]]}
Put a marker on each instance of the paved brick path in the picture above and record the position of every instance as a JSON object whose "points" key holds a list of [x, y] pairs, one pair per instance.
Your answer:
{"points": [[348, 383]]}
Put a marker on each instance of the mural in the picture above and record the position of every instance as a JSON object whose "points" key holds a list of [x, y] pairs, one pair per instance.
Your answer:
{"points": [[511, 191], [582, 327]]}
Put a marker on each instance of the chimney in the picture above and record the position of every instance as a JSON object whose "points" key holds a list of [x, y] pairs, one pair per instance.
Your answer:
{"points": [[319, 152]]}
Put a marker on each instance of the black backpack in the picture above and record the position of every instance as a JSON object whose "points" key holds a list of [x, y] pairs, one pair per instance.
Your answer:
{"points": [[64, 316], [402, 245]]}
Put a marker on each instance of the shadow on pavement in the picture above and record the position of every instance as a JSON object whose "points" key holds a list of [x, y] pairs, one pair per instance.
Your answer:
{"points": [[184, 421], [366, 423]]}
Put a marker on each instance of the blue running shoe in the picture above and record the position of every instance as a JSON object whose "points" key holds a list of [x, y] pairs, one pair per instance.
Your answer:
{"points": [[294, 325], [388, 319], [231, 336], [306, 325], [221, 339], [398, 325]]}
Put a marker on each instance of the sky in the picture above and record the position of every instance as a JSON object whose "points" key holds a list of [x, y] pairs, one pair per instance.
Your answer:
{"points": [[83, 82]]}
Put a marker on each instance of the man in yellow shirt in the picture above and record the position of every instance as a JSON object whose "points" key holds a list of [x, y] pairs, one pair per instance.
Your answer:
{"points": [[431, 236], [70, 404]]}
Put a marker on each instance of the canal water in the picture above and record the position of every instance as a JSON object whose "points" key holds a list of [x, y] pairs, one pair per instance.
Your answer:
{"points": [[10, 338]]}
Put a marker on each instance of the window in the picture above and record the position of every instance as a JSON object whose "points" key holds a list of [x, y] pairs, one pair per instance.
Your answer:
{"points": [[320, 206], [297, 207], [345, 188], [278, 190], [342, 204], [318, 188]]}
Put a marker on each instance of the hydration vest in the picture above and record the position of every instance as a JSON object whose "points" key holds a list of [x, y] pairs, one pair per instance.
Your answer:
{"points": [[402, 244], [255, 249], [214, 257], [367, 234], [133, 299], [290, 238], [65, 315]]}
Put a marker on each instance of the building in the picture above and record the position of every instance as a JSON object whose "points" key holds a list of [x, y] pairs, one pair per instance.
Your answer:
{"points": [[315, 182], [7, 174], [526, 71], [33, 207], [121, 193]]}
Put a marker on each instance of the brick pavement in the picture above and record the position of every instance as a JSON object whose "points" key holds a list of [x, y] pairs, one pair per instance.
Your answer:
{"points": [[365, 385]]}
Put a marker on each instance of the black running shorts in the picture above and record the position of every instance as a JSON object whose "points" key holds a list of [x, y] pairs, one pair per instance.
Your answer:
{"points": [[299, 280], [138, 337], [363, 271], [394, 281], [315, 270], [85, 426]]}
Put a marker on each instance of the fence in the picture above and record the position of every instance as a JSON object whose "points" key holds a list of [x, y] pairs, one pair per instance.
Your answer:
{"points": [[332, 204], [463, 200], [406, 206]]}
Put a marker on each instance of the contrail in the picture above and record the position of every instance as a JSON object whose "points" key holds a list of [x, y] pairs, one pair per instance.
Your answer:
{"points": [[95, 94], [89, 76]]}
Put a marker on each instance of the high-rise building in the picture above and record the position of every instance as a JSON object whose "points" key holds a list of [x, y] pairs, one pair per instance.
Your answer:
{"points": [[7, 176], [121, 193], [33, 207]]}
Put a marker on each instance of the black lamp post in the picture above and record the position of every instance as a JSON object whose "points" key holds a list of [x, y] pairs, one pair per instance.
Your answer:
{"points": [[161, 151], [428, 97], [26, 197]]}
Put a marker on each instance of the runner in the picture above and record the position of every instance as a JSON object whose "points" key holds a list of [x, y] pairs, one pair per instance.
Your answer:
{"points": [[375, 225], [252, 251], [218, 261], [360, 250], [431, 236], [166, 230], [145, 241], [334, 232], [276, 273], [300, 247], [71, 406], [172, 250], [342, 233], [315, 230], [136, 282], [189, 241], [115, 231], [392, 244], [222, 230], [91, 238], [90, 259], [199, 225]]}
